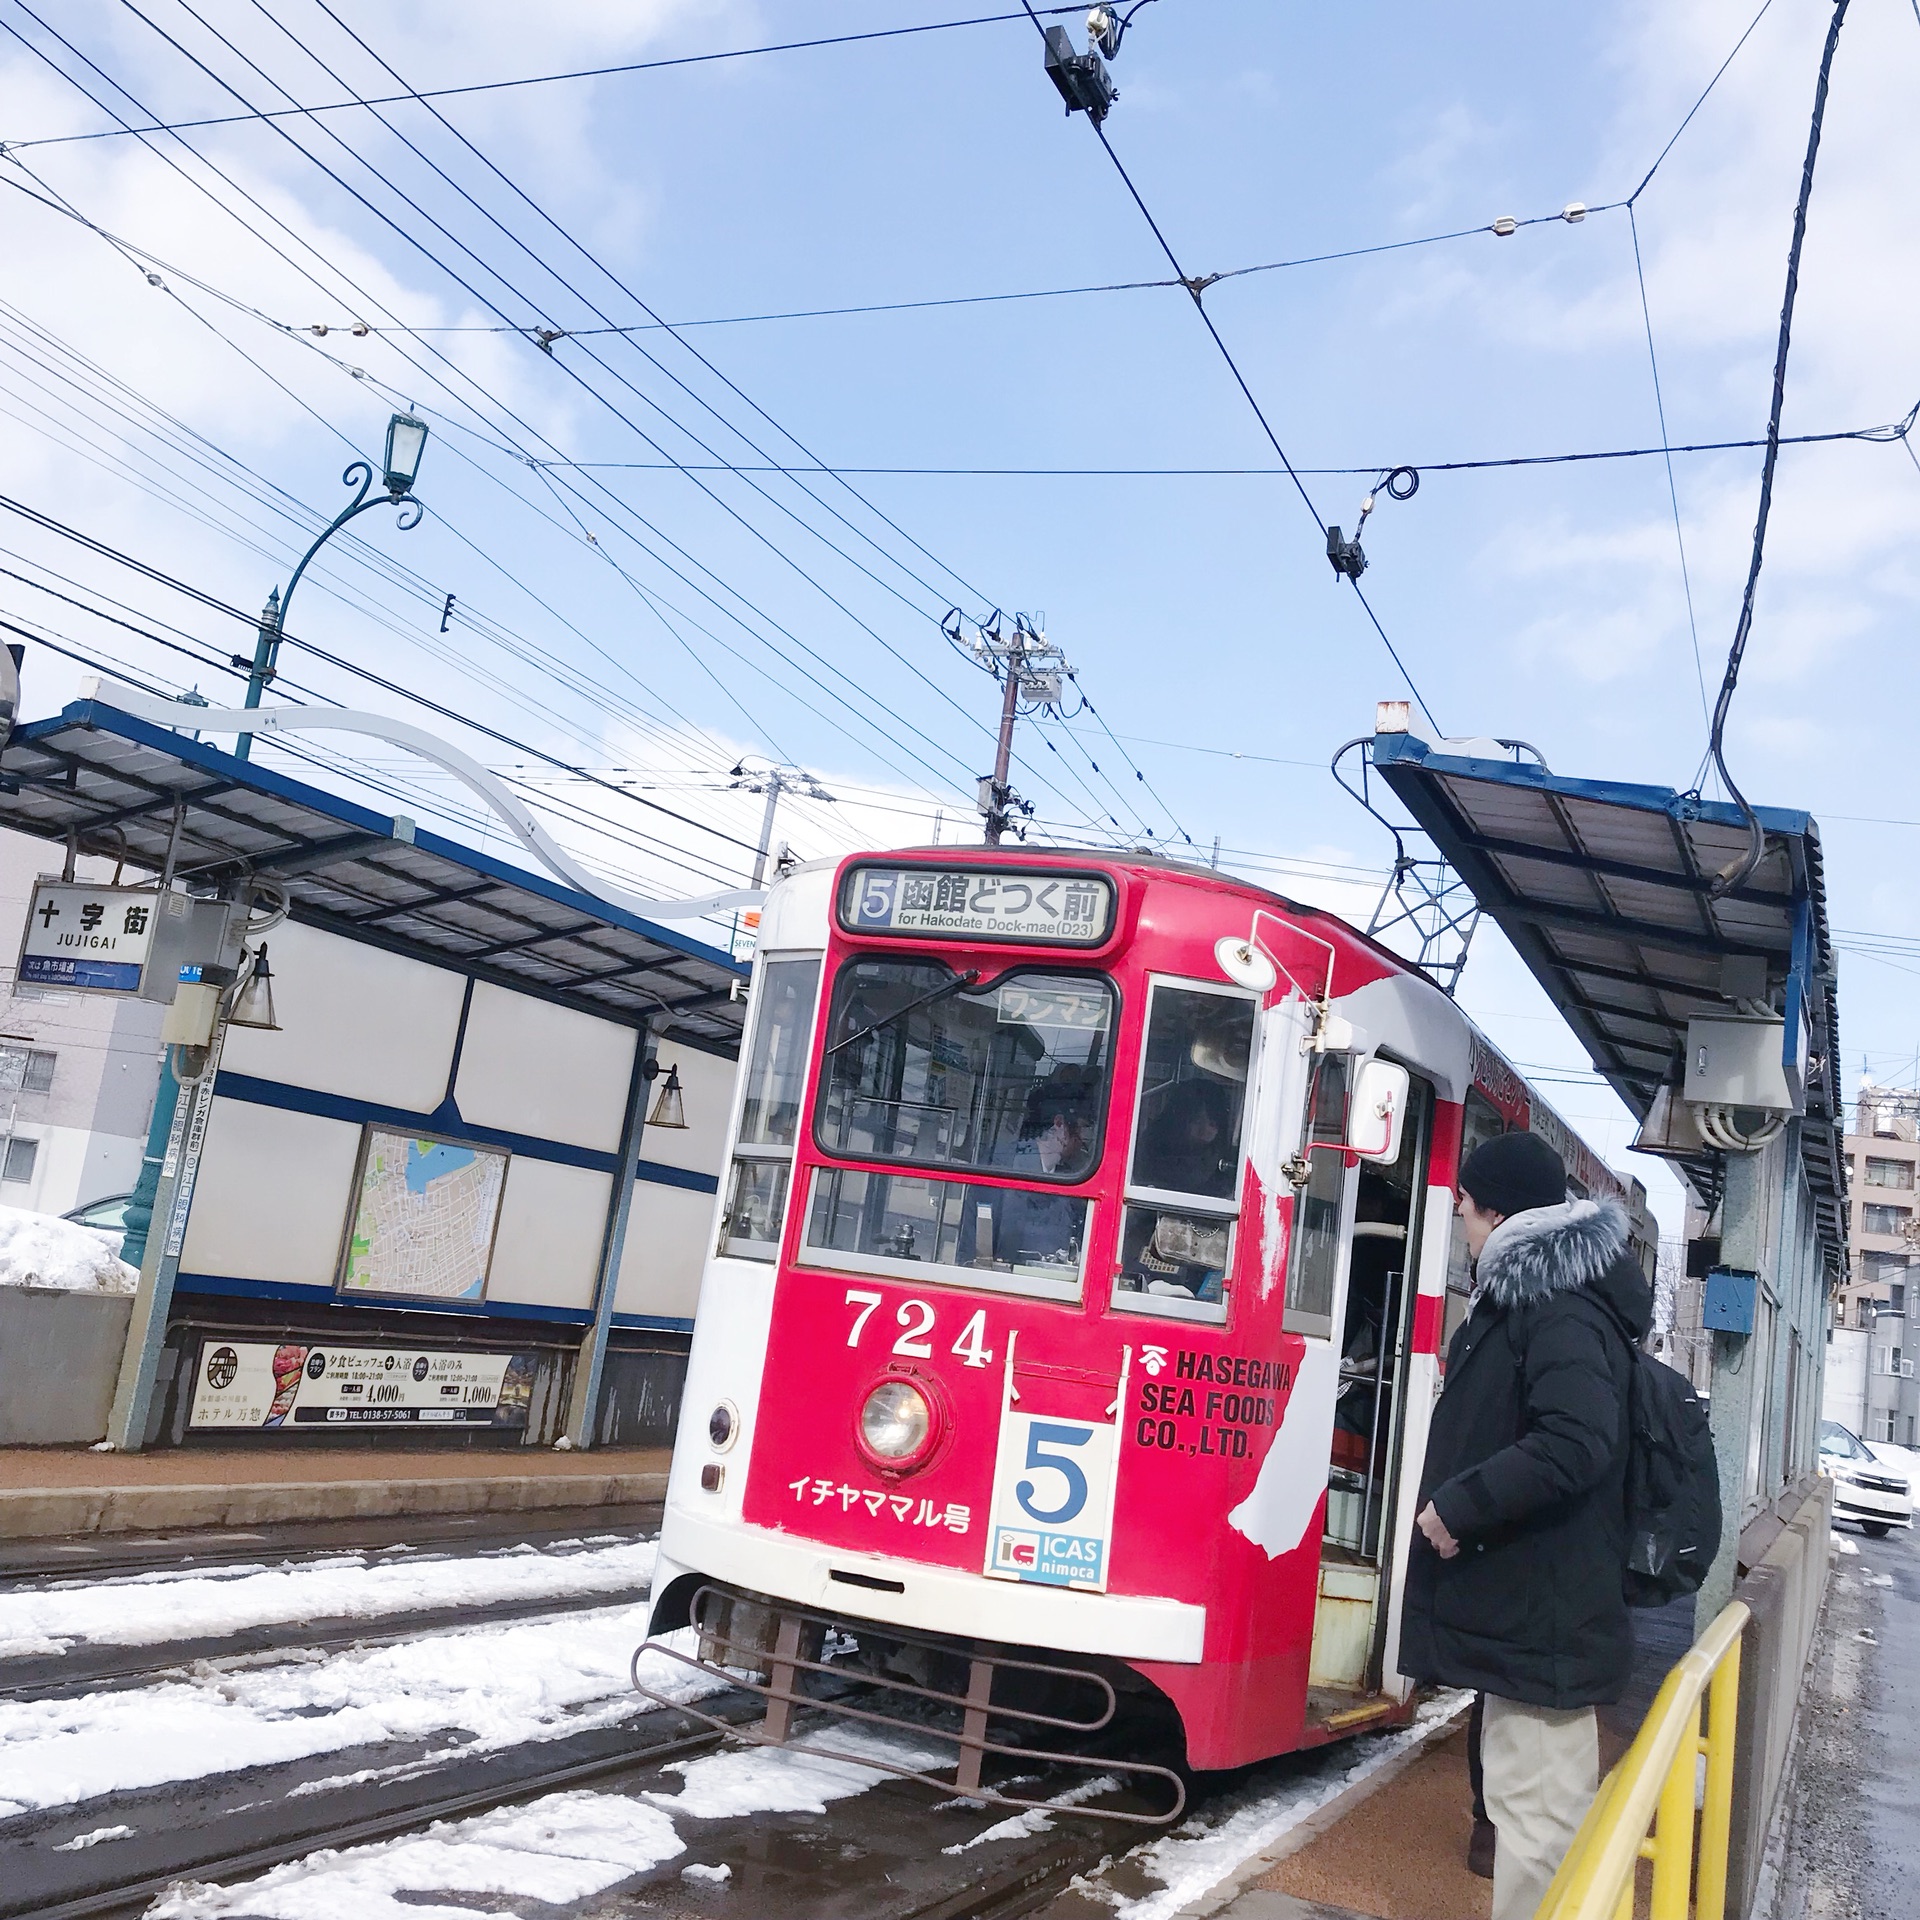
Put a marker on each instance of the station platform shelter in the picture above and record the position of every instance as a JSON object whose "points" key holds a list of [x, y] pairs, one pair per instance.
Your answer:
{"points": [[1613, 895], [428, 1209]]}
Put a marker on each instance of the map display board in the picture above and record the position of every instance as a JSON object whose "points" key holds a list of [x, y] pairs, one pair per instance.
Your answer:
{"points": [[1024, 904], [424, 1217], [259, 1387]]}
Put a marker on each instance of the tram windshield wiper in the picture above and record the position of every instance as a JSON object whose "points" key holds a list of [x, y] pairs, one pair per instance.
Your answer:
{"points": [[958, 984]]}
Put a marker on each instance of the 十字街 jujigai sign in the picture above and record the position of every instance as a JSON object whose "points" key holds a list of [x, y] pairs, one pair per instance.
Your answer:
{"points": [[89, 939]]}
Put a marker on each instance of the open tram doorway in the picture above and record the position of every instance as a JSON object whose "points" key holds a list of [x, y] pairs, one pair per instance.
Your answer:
{"points": [[1372, 1325]]}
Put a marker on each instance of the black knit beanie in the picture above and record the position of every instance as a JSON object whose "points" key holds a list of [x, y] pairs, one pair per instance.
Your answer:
{"points": [[1512, 1172]]}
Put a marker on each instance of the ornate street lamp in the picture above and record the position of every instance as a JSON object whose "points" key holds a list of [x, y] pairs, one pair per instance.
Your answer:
{"points": [[406, 442]]}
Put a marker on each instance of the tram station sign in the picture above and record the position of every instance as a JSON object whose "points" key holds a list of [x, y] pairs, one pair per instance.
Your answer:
{"points": [[88, 939], [1028, 905]]}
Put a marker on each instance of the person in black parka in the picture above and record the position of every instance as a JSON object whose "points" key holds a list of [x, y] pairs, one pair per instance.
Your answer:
{"points": [[1514, 1584]]}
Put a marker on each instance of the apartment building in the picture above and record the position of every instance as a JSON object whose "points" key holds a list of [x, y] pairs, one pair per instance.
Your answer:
{"points": [[1870, 1358], [77, 1070]]}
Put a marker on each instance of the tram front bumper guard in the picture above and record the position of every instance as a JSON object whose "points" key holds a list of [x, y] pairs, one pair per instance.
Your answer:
{"points": [[785, 1663]]}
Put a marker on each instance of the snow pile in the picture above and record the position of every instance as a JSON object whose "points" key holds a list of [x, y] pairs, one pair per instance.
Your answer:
{"points": [[569, 1845], [480, 1688], [42, 1250], [154, 1607]]}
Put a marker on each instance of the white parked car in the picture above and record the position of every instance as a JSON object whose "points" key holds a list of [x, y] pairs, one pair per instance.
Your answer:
{"points": [[1866, 1489]]}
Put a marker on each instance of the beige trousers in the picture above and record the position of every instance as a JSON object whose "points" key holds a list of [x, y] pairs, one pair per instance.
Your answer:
{"points": [[1542, 1770]]}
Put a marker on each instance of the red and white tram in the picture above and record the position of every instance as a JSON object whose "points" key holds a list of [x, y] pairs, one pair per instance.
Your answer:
{"points": [[1083, 1268]]}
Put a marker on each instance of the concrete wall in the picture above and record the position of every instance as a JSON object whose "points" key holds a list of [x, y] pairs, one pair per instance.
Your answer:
{"points": [[1784, 1588], [59, 1358]]}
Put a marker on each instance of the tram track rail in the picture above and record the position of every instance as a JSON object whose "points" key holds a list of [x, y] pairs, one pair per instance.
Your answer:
{"points": [[121, 1668], [280, 1829], [89, 1558]]}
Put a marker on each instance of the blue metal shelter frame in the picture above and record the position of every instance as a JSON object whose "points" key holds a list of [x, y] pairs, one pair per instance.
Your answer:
{"points": [[1605, 890], [105, 783]]}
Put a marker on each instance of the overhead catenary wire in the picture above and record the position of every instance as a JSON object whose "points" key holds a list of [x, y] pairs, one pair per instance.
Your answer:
{"points": [[1239, 379], [458, 375], [476, 293], [1737, 871], [158, 125]]}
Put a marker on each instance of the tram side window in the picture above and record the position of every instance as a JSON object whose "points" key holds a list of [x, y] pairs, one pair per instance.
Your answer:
{"points": [[1175, 1258], [774, 1086], [1314, 1272]]}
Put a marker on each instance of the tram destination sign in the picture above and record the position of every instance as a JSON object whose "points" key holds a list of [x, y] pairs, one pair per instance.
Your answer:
{"points": [[1030, 905]]}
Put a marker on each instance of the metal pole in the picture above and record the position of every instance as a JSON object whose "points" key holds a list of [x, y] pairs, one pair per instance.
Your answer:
{"points": [[766, 827], [266, 650], [160, 1268], [1003, 753], [590, 1367]]}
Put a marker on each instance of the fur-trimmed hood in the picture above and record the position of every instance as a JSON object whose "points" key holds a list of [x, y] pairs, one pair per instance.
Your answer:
{"points": [[1531, 1256]]}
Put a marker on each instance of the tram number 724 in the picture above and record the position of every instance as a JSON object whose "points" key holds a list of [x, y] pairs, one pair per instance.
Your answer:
{"points": [[916, 1318]]}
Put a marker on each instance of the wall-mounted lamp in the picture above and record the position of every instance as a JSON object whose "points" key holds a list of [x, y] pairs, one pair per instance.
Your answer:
{"points": [[669, 1109], [253, 1004]]}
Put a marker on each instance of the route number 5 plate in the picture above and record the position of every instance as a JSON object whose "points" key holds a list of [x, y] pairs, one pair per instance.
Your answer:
{"points": [[1051, 1519]]}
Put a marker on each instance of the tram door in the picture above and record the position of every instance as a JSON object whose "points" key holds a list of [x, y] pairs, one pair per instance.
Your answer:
{"points": [[1371, 1324]]}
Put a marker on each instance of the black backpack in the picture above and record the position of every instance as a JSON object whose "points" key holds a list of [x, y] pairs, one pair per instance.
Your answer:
{"points": [[1673, 1485]]}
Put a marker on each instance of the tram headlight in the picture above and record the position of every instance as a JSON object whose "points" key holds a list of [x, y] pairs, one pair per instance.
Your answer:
{"points": [[723, 1423], [896, 1423]]}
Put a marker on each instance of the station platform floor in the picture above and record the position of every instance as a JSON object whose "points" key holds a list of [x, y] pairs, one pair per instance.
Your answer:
{"points": [[55, 1491], [1399, 1852]]}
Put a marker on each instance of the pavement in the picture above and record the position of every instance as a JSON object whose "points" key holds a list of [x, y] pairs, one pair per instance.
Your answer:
{"points": [[1851, 1848], [57, 1491], [1397, 1848]]}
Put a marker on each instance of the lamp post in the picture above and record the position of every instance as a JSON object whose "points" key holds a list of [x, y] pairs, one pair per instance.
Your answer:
{"points": [[406, 442]]}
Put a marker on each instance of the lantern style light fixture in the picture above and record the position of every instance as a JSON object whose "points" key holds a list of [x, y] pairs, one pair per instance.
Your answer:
{"points": [[670, 1108], [253, 1004], [406, 442]]}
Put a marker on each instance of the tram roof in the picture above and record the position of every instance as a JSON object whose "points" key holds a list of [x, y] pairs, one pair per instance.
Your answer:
{"points": [[1604, 889], [112, 781]]}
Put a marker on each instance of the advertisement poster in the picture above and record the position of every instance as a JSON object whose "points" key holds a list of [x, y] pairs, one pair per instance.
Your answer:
{"points": [[87, 939], [255, 1386], [424, 1222]]}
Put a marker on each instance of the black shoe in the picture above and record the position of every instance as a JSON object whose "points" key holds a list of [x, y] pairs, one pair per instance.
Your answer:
{"points": [[1480, 1849]]}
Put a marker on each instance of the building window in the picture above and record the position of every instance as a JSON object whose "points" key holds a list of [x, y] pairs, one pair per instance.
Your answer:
{"points": [[1890, 1173], [26, 1070], [21, 1154], [1896, 1298], [1884, 1219]]}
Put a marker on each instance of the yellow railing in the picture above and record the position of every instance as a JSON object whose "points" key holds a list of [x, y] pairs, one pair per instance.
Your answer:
{"points": [[1653, 1787]]}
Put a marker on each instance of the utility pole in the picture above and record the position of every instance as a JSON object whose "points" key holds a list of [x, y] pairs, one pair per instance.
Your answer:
{"points": [[773, 783], [1030, 669]]}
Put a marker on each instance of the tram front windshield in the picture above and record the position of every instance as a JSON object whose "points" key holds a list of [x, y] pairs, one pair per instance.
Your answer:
{"points": [[935, 1069]]}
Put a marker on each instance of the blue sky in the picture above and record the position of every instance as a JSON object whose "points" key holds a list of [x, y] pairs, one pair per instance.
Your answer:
{"points": [[1542, 602]]}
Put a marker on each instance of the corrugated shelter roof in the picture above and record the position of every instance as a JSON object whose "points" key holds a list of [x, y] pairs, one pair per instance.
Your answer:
{"points": [[1605, 890], [117, 783]]}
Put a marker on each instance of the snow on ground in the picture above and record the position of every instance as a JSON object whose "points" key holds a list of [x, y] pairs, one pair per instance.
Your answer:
{"points": [[147, 1609], [1201, 1852], [42, 1250], [534, 1680], [568, 1846], [800, 1778]]}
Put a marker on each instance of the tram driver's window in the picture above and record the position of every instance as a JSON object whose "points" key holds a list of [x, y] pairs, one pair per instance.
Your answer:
{"points": [[1183, 1180], [1314, 1270], [938, 1069], [773, 1083]]}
